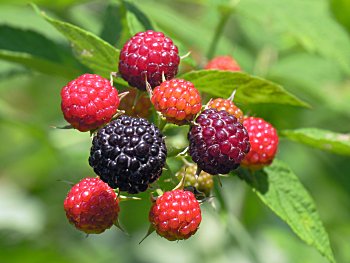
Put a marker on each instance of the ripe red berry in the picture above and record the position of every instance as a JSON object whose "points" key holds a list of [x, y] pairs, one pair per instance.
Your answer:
{"points": [[178, 100], [218, 142], [89, 102], [227, 105], [136, 105], [263, 140], [92, 206], [176, 215], [148, 55], [223, 63]]}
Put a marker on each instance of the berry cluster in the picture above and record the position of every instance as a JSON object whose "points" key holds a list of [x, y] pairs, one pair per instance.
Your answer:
{"points": [[129, 152]]}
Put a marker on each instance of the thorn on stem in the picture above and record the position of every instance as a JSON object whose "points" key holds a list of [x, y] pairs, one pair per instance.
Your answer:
{"points": [[66, 127], [123, 94], [232, 96], [186, 55], [219, 181], [66, 182], [113, 75]]}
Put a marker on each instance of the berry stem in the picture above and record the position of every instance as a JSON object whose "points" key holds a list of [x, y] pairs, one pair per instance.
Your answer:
{"points": [[123, 94], [224, 16], [161, 122], [187, 163], [221, 200], [111, 76], [137, 97], [181, 184], [236, 230], [183, 153], [265, 59], [239, 233]]}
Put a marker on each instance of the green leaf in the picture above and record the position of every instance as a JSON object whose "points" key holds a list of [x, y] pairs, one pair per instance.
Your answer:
{"points": [[341, 9], [280, 189], [60, 5], [310, 23], [338, 143], [31, 42], [303, 72], [39, 64], [250, 89], [37, 52], [190, 30], [90, 50], [13, 72], [137, 20], [122, 21], [115, 29]]}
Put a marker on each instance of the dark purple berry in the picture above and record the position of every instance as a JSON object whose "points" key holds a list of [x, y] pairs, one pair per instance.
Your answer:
{"points": [[218, 142], [129, 153]]}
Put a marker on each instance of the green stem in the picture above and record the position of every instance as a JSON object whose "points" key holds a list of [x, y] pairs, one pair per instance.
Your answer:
{"points": [[235, 228], [221, 200], [218, 31], [161, 123], [265, 59]]}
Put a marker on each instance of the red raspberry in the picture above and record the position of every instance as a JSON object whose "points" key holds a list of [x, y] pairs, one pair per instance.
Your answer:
{"points": [[92, 206], [227, 105], [263, 140], [178, 100], [223, 63], [218, 142], [147, 55], [176, 215], [136, 105], [89, 102]]}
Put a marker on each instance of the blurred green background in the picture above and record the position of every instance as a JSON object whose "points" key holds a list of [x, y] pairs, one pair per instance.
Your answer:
{"points": [[302, 45]]}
